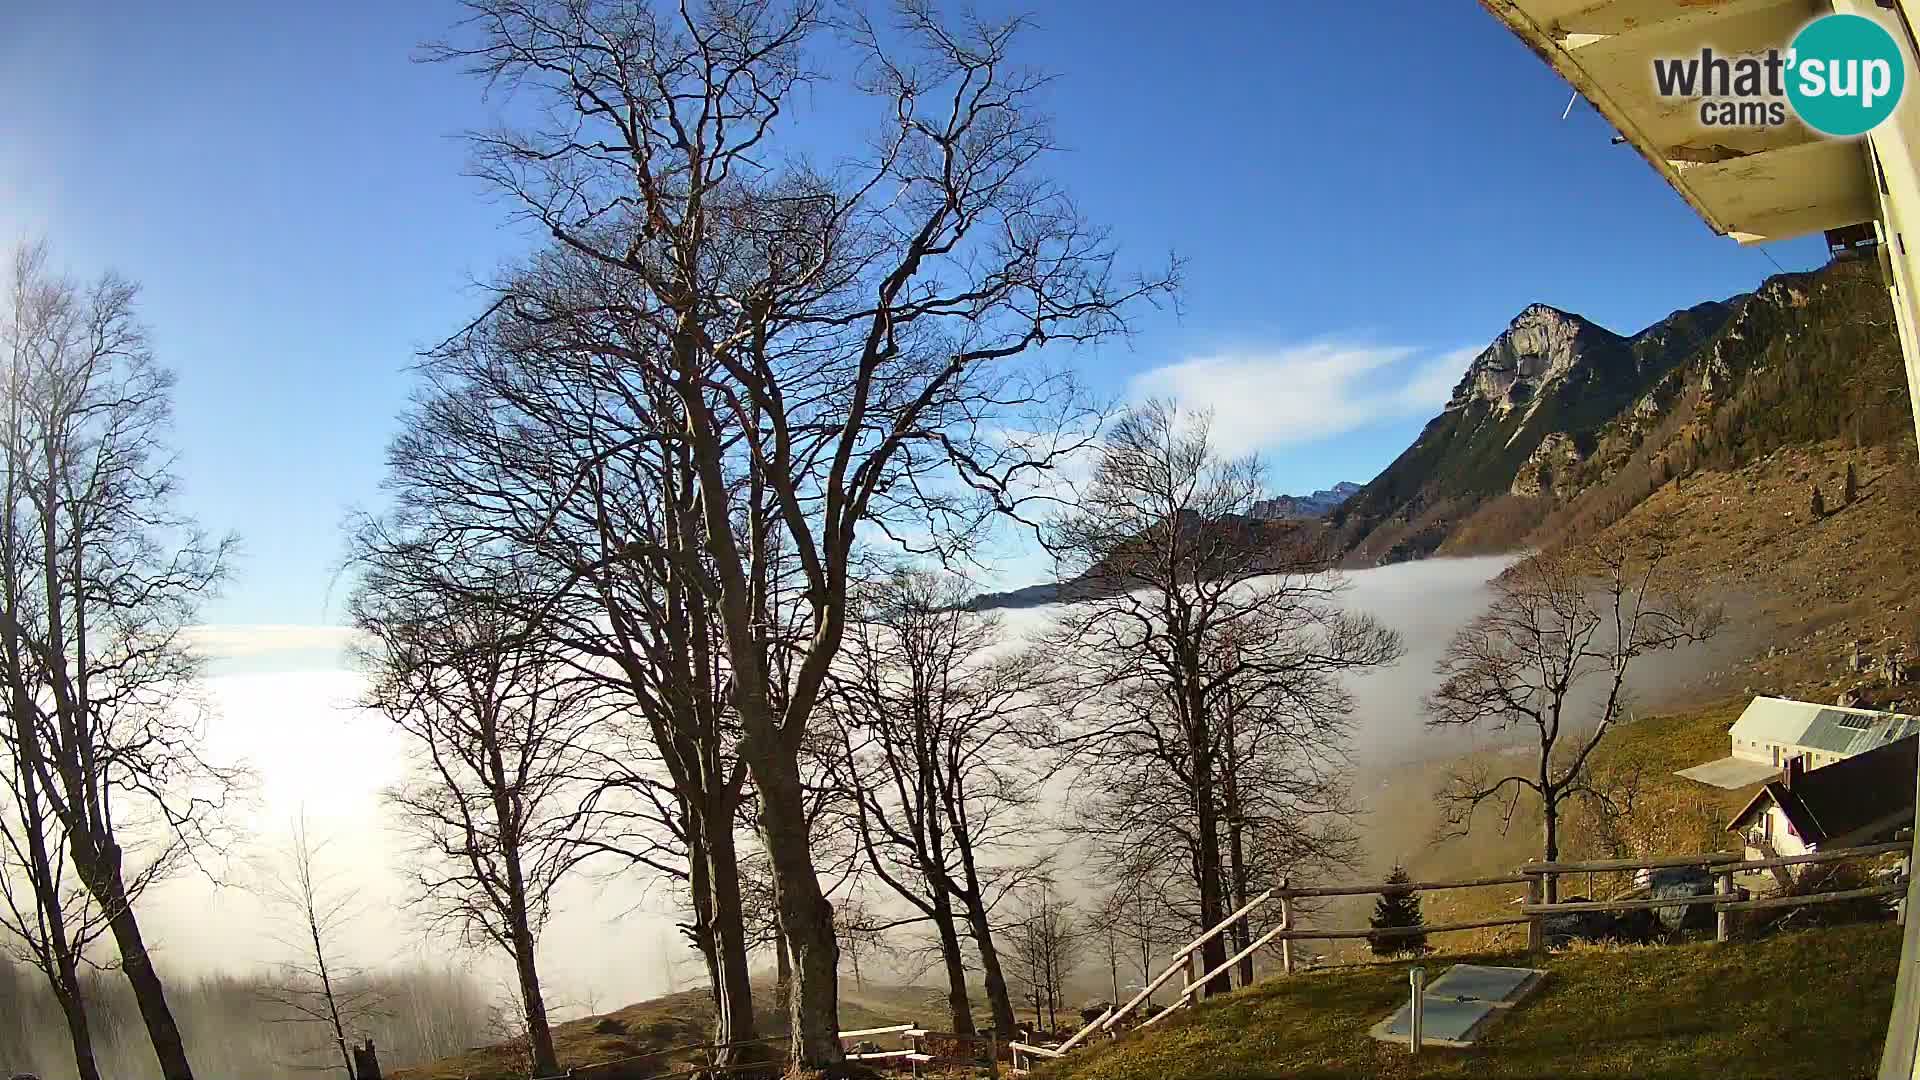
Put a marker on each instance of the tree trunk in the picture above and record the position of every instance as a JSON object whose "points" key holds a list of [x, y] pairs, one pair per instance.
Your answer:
{"points": [[700, 889], [959, 1004], [1237, 880], [539, 1032], [806, 918], [1146, 967], [1237, 851], [520, 936], [768, 747], [1207, 828], [78, 1030], [1242, 930], [999, 1000], [726, 926], [326, 989], [162, 1031], [783, 967], [47, 899]]}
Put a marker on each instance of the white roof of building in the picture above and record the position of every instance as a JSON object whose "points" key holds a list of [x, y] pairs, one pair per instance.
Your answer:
{"points": [[1822, 727], [1731, 773]]}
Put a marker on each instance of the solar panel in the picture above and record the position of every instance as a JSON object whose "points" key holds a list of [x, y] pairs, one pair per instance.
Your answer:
{"points": [[1847, 733], [1460, 1003], [1498, 984], [1444, 1019]]}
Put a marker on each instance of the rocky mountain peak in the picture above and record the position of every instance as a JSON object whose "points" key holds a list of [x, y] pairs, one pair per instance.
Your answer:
{"points": [[1317, 505], [1541, 346]]}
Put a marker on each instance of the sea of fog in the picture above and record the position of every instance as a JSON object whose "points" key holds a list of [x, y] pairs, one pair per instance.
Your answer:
{"points": [[612, 941]]}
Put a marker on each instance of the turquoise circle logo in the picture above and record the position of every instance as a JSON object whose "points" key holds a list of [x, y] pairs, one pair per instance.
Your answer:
{"points": [[1847, 75]]}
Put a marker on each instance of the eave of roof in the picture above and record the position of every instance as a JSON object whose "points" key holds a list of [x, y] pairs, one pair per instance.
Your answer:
{"points": [[1778, 794], [1754, 184]]}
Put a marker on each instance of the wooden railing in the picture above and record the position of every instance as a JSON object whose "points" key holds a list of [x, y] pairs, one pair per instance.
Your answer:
{"points": [[1723, 865], [1532, 914], [1284, 932], [937, 1050]]}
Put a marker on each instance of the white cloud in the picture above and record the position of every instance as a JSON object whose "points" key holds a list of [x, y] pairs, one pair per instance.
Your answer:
{"points": [[233, 640], [1263, 398]]}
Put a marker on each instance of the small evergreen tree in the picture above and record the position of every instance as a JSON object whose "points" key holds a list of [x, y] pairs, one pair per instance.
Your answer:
{"points": [[1396, 908], [1853, 485]]}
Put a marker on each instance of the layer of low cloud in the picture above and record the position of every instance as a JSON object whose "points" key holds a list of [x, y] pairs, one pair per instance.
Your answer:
{"points": [[231, 641], [314, 753], [1270, 397]]}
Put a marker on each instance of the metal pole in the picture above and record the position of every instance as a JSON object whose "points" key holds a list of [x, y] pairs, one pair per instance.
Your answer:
{"points": [[1416, 1008]]}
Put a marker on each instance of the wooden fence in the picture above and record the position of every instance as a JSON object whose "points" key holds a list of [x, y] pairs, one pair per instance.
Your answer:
{"points": [[1533, 914], [1722, 864], [922, 1048]]}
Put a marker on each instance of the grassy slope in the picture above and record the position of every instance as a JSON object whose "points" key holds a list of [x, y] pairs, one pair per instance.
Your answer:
{"points": [[1807, 1005]]}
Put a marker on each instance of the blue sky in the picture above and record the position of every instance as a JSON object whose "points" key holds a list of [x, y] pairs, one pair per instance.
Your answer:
{"points": [[1363, 197]]}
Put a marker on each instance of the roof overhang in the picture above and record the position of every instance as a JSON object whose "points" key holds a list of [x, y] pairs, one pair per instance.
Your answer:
{"points": [[1754, 184], [1762, 799]]}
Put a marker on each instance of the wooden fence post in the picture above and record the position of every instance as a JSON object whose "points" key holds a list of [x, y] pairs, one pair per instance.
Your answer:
{"points": [[1722, 918], [1286, 925], [1536, 922], [366, 1062], [1900, 905]]}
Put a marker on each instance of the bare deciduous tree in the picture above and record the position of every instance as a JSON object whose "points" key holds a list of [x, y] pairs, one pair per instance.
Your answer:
{"points": [[99, 578], [1049, 944], [938, 765], [835, 341], [48, 920], [1212, 647], [1136, 914], [525, 446], [1548, 661], [316, 987], [1106, 928], [497, 728], [864, 934]]}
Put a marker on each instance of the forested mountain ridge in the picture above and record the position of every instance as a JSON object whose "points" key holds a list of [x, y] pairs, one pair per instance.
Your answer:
{"points": [[1560, 427]]}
